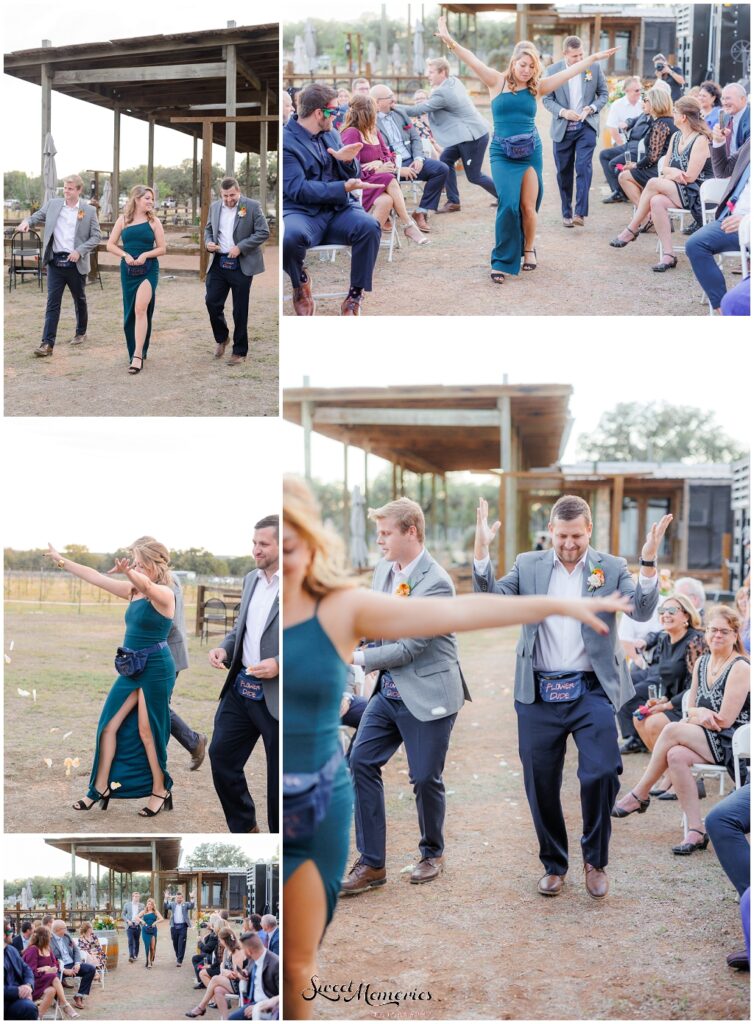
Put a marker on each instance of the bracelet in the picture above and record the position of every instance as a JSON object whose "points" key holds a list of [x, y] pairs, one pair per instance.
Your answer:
{"points": [[61, 563], [451, 46]]}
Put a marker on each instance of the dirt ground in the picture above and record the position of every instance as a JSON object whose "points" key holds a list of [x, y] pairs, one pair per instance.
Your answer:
{"points": [[67, 657], [181, 377], [578, 273], [481, 940]]}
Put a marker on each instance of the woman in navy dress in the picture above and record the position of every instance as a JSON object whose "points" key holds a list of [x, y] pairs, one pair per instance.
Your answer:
{"points": [[513, 95], [325, 614]]}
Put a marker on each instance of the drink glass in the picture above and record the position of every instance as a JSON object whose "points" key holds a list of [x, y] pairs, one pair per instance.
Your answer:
{"points": [[652, 692]]}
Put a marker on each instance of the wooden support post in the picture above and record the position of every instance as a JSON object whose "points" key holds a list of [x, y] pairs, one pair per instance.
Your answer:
{"points": [[508, 530], [206, 194], [503, 513], [73, 874], [194, 179], [597, 33], [263, 147], [433, 517], [307, 415], [727, 548], [346, 502], [446, 510], [150, 157], [46, 120], [230, 109], [115, 179], [616, 508], [394, 468], [366, 478]]}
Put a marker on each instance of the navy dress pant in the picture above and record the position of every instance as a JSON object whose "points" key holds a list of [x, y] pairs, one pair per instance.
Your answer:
{"points": [[178, 934], [133, 934], [239, 722], [58, 279], [434, 174], [728, 824], [20, 1009], [472, 155], [350, 226], [543, 730], [181, 731], [386, 724], [574, 156], [219, 283], [613, 155]]}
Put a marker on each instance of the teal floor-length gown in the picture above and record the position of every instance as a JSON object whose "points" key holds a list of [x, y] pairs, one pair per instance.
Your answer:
{"points": [[315, 679], [149, 932], [136, 239], [513, 113], [130, 768]]}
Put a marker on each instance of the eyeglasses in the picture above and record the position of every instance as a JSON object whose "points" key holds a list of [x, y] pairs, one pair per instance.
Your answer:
{"points": [[669, 611], [714, 631], [329, 112]]}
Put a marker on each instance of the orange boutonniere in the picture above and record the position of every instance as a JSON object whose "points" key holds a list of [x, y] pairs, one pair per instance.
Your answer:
{"points": [[242, 211], [81, 215], [596, 579], [403, 590]]}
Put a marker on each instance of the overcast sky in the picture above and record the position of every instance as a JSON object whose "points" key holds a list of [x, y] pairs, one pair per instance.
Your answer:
{"points": [[83, 132], [27, 855], [103, 482], [446, 350]]}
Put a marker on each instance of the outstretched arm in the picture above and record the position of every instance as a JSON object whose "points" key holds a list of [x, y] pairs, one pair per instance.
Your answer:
{"points": [[118, 587], [553, 82], [491, 78], [160, 595]]}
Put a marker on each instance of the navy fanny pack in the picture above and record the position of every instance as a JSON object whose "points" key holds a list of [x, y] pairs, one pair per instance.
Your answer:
{"points": [[130, 663], [560, 687], [518, 147], [60, 259], [228, 262], [306, 798], [140, 269]]}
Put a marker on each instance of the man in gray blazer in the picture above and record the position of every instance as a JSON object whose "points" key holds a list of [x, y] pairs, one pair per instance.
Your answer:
{"points": [[133, 930], [575, 108], [234, 234], [71, 233], [458, 127], [180, 922], [570, 680], [419, 691], [249, 699]]}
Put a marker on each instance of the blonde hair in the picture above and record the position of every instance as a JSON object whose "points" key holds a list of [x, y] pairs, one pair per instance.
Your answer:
{"points": [[695, 619], [326, 570], [153, 556], [406, 514], [660, 102], [85, 927], [146, 905], [216, 921], [522, 49], [439, 64], [136, 193], [77, 180], [731, 616]]}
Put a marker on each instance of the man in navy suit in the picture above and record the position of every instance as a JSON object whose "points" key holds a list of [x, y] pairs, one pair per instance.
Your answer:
{"points": [[18, 983], [735, 103], [320, 176], [575, 108], [261, 999]]}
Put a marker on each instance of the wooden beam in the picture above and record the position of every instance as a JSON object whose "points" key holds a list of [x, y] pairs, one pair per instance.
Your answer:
{"points": [[263, 147], [205, 196], [245, 71], [246, 118], [616, 508], [407, 417], [131, 76], [46, 121], [194, 180], [230, 107], [116, 161]]}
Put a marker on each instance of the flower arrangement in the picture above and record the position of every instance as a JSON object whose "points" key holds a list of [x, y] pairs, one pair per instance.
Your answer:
{"points": [[596, 578], [403, 590], [105, 923], [618, 90]]}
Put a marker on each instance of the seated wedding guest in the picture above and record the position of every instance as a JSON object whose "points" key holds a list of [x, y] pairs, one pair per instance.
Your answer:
{"points": [[398, 131], [742, 607], [293, 92], [21, 941], [737, 301], [728, 825], [721, 234], [270, 926], [205, 959], [613, 158], [344, 98], [253, 923], [48, 987], [421, 123], [228, 978], [360, 87], [709, 95], [47, 920], [320, 177], [693, 589], [262, 973], [287, 106], [735, 103], [91, 948], [72, 961], [628, 106], [679, 183], [636, 173], [718, 705], [377, 167], [18, 982]]}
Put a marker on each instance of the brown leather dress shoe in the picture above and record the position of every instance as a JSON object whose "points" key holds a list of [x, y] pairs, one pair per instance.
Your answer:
{"points": [[303, 301], [596, 881], [255, 829], [449, 207], [197, 754], [43, 350], [739, 960], [421, 221], [427, 870], [235, 360], [78, 339], [220, 348], [568, 222], [360, 878], [351, 306], [578, 220], [551, 885]]}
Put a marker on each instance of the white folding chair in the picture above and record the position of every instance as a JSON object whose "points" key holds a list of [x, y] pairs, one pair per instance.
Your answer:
{"points": [[744, 241], [58, 1014], [702, 769], [678, 213]]}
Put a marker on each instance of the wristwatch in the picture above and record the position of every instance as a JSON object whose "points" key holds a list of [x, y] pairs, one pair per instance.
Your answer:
{"points": [[648, 565]]}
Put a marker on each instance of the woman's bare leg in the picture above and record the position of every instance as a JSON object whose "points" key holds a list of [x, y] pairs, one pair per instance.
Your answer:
{"points": [[676, 733], [631, 188], [659, 206], [141, 305], [48, 998], [528, 203], [306, 916], [680, 760], [108, 738], [399, 203], [204, 978], [381, 207], [649, 730], [145, 734]]}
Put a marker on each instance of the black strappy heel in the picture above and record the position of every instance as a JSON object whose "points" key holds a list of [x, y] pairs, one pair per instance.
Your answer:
{"points": [[618, 812], [529, 266], [136, 369], [497, 277], [618, 243], [167, 805], [103, 799], [686, 849]]}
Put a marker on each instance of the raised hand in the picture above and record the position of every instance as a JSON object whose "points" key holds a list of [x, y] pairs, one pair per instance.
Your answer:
{"points": [[485, 534], [602, 55], [52, 553], [442, 31], [347, 153], [122, 566], [654, 538]]}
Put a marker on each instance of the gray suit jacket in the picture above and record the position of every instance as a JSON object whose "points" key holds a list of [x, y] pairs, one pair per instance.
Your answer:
{"points": [[87, 235], [270, 645], [177, 635], [594, 93], [127, 915], [531, 575], [65, 949], [250, 232], [425, 669], [188, 906], [408, 132], [453, 117]]}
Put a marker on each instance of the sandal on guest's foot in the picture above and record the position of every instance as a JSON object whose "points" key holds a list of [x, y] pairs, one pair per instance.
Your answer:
{"points": [[619, 812], [411, 231], [662, 266], [529, 265], [686, 849], [620, 243], [136, 369], [497, 277], [198, 1011]]}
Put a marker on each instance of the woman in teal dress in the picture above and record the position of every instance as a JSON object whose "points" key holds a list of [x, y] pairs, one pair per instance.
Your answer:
{"points": [[149, 918], [517, 173], [138, 238], [130, 754], [325, 616]]}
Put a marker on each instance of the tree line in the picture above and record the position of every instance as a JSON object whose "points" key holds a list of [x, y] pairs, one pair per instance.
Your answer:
{"points": [[197, 560]]}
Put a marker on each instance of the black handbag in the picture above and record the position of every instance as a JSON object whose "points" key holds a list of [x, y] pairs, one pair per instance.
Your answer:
{"points": [[139, 269], [306, 798], [518, 147], [130, 663]]}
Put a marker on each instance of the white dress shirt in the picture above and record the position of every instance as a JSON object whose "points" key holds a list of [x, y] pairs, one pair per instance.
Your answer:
{"points": [[134, 911], [259, 994], [225, 227], [65, 229], [179, 914], [575, 93], [260, 607], [622, 110], [395, 577]]}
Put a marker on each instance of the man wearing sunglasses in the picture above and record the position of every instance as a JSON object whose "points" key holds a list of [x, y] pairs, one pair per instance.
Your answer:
{"points": [[320, 179], [18, 983]]}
